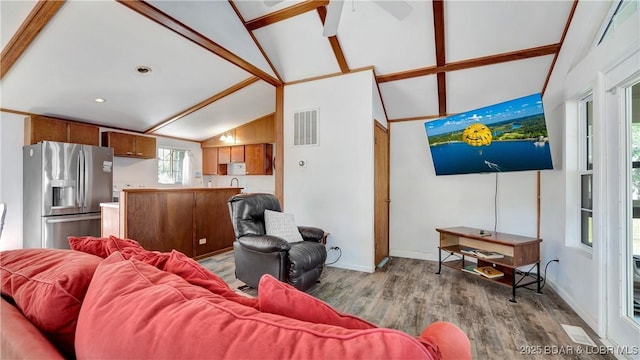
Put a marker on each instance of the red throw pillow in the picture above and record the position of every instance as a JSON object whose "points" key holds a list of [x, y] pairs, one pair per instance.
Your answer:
{"points": [[279, 298], [133, 310], [178, 263], [48, 286], [102, 247]]}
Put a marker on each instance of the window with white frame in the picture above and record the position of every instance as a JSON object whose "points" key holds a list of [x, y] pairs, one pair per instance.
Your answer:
{"points": [[585, 170], [622, 10], [170, 165]]}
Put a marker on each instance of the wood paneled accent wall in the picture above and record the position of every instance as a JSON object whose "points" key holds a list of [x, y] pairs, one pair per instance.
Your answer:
{"points": [[259, 131]]}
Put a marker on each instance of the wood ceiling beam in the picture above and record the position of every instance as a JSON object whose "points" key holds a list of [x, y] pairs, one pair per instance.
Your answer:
{"points": [[239, 86], [285, 14], [178, 27], [438, 27], [37, 19], [471, 63], [414, 118], [335, 44], [564, 34], [279, 155]]}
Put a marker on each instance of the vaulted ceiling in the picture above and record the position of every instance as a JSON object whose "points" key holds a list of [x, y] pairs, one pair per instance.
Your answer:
{"points": [[214, 65]]}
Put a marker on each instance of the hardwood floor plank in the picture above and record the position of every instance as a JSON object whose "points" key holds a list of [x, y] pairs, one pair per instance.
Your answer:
{"points": [[407, 295]]}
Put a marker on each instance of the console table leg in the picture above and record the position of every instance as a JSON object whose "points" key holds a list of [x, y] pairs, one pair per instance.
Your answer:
{"points": [[513, 287], [538, 271], [439, 261]]}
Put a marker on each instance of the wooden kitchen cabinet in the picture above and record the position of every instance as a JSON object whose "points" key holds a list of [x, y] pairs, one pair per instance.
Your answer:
{"points": [[159, 220], [258, 159], [214, 230], [195, 222], [227, 154], [42, 128], [146, 147], [237, 153], [224, 155], [83, 134], [209, 161], [129, 145]]}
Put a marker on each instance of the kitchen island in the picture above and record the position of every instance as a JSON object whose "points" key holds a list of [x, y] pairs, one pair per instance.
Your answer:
{"points": [[194, 221]]}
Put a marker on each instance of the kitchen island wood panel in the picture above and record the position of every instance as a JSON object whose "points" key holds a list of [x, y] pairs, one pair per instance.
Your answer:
{"points": [[195, 222]]}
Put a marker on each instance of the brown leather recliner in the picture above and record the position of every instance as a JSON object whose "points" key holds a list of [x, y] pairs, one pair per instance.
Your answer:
{"points": [[299, 264]]}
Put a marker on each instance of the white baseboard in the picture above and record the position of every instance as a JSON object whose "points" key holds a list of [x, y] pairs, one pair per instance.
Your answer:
{"points": [[414, 255], [353, 267], [591, 321]]}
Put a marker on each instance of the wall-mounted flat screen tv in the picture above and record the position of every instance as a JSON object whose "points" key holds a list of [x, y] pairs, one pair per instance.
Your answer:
{"points": [[509, 136]]}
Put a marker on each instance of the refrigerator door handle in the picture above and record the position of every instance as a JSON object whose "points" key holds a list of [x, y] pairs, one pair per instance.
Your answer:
{"points": [[78, 182], [83, 179], [72, 219], [62, 207]]}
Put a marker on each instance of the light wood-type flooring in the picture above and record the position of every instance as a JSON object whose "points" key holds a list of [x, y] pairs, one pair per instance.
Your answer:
{"points": [[407, 295]]}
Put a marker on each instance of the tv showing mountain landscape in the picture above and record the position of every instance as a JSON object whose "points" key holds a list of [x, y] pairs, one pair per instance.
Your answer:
{"points": [[509, 136]]}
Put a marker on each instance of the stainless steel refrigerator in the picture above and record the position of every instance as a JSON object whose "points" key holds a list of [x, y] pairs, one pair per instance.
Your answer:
{"points": [[64, 185]]}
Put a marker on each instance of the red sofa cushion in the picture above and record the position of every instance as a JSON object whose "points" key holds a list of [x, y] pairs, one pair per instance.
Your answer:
{"points": [[21, 339], [48, 286], [283, 299], [177, 263], [102, 247], [134, 310]]}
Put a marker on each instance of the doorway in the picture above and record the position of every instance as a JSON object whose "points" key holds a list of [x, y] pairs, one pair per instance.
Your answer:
{"points": [[631, 111], [381, 197], [622, 115]]}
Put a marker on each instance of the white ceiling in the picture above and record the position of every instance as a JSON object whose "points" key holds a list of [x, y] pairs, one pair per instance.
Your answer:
{"points": [[91, 49]]}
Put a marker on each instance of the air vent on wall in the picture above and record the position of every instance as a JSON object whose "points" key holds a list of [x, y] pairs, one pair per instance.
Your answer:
{"points": [[305, 127]]}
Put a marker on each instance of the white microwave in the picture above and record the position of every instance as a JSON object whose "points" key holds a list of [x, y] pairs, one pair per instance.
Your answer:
{"points": [[236, 168]]}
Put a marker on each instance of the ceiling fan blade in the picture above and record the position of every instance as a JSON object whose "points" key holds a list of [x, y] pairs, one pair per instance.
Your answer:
{"points": [[270, 3], [334, 10], [399, 9]]}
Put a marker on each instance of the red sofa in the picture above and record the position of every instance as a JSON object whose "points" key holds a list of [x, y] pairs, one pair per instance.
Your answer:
{"points": [[114, 299]]}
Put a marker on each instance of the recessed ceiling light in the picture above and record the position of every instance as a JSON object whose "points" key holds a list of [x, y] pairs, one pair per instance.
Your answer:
{"points": [[99, 100], [143, 69]]}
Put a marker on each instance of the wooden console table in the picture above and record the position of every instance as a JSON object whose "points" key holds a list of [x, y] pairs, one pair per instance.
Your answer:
{"points": [[518, 251]]}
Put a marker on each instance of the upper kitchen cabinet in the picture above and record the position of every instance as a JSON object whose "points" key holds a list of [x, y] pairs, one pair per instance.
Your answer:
{"points": [[129, 145], [42, 128], [258, 159], [237, 154], [229, 154], [210, 161]]}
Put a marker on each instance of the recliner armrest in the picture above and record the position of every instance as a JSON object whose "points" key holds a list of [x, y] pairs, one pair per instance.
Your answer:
{"points": [[264, 243], [311, 233]]}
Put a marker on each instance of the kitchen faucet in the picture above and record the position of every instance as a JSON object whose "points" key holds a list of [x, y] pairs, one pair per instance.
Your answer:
{"points": [[237, 182]]}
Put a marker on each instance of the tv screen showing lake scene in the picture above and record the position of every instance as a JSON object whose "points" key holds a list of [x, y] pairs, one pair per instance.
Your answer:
{"points": [[509, 136]]}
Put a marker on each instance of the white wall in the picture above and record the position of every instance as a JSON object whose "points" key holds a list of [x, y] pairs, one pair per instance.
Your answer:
{"points": [[422, 201], [11, 139], [578, 277], [126, 173], [378, 109], [335, 190]]}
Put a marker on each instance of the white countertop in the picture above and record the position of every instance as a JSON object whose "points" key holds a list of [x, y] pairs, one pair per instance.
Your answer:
{"points": [[110, 204]]}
